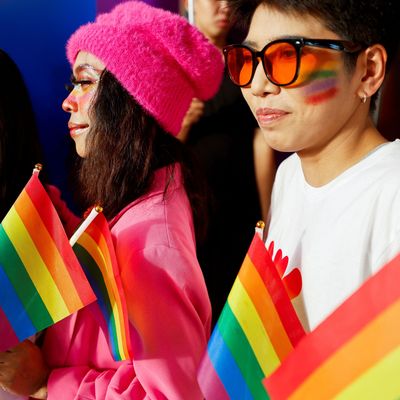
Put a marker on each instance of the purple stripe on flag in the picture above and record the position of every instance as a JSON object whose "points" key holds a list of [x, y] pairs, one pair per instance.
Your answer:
{"points": [[210, 382], [6, 332]]}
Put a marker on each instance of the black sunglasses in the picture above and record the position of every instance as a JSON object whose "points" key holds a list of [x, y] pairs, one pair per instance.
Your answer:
{"points": [[280, 59]]}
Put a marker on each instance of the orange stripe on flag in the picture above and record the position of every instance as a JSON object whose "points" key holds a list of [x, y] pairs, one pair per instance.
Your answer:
{"points": [[99, 252], [354, 358], [48, 251], [265, 307], [379, 382]]}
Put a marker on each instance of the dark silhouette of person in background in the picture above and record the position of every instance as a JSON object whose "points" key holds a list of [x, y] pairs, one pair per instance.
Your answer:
{"points": [[19, 138], [222, 133]]}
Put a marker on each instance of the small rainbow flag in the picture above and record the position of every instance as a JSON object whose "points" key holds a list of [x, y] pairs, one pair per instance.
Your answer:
{"points": [[41, 281], [257, 329], [354, 353], [95, 251]]}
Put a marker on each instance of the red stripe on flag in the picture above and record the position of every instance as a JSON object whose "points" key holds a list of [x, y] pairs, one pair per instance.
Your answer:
{"points": [[265, 308], [50, 219], [379, 292], [262, 260], [48, 251]]}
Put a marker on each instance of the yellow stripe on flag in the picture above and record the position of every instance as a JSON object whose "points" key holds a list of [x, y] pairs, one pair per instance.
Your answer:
{"points": [[248, 318], [48, 250], [382, 381], [265, 307], [93, 248], [35, 266], [355, 357]]}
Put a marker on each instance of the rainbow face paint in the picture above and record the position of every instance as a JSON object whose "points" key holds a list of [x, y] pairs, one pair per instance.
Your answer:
{"points": [[84, 85], [322, 86], [318, 74]]}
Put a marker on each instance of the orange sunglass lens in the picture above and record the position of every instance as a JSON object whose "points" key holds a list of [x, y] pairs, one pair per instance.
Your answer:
{"points": [[240, 65], [280, 60]]}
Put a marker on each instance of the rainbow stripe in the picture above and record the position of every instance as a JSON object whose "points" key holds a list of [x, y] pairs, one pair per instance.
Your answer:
{"points": [[257, 329], [354, 353], [41, 281], [95, 251]]}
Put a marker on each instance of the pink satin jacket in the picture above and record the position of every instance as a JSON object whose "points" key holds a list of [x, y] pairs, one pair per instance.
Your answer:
{"points": [[168, 305]]}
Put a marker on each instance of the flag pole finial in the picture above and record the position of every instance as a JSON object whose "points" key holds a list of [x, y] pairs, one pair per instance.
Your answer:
{"points": [[38, 168], [260, 224]]}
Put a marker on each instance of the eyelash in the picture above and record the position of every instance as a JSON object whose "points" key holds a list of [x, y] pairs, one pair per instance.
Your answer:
{"points": [[74, 83]]}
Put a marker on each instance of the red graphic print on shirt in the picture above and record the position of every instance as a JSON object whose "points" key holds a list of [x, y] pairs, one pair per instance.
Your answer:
{"points": [[292, 281]]}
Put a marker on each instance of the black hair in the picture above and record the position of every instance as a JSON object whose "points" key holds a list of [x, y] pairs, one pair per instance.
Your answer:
{"points": [[366, 22], [19, 139], [125, 147]]}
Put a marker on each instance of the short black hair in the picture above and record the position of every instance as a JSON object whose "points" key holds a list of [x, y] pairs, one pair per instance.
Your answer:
{"points": [[366, 22]]}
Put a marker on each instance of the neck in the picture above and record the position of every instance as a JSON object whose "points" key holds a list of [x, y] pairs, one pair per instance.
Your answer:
{"points": [[342, 152]]}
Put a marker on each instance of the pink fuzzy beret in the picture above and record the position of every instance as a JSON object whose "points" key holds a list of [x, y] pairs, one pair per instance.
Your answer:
{"points": [[157, 56]]}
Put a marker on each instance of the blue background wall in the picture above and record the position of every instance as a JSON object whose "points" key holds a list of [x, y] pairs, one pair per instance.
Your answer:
{"points": [[34, 33]]}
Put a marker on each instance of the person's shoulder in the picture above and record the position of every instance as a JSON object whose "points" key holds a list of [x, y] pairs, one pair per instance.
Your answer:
{"points": [[386, 162], [289, 166], [157, 218], [389, 151]]}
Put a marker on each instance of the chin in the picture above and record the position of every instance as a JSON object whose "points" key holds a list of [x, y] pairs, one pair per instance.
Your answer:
{"points": [[81, 152], [274, 140]]}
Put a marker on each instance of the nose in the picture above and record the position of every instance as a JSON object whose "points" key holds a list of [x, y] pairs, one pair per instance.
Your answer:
{"points": [[70, 104], [261, 85]]}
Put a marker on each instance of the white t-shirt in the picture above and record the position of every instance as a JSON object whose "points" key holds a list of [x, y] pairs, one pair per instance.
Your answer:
{"points": [[338, 234]]}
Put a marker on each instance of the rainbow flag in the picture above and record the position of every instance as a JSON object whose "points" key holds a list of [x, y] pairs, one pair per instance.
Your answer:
{"points": [[354, 353], [95, 251], [257, 329], [41, 281]]}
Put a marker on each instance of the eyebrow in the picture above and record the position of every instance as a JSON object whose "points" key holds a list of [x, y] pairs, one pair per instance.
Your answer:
{"points": [[82, 67], [253, 44]]}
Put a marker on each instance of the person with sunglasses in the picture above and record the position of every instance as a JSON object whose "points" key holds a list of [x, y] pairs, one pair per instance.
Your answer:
{"points": [[311, 72], [135, 72]]}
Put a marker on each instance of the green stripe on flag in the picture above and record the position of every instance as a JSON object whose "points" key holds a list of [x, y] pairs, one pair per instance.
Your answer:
{"points": [[242, 352], [23, 285], [96, 278]]}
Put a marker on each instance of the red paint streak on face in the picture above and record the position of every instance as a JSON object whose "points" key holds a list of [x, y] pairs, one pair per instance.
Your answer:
{"points": [[321, 97]]}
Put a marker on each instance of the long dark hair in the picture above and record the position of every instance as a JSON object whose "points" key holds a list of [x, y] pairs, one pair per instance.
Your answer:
{"points": [[19, 138], [125, 147]]}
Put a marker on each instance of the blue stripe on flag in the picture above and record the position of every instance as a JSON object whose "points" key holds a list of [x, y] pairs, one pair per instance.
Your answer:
{"points": [[14, 309], [226, 368]]}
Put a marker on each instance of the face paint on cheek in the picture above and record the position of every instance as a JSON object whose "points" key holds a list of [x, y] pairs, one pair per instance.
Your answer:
{"points": [[322, 86], [86, 97]]}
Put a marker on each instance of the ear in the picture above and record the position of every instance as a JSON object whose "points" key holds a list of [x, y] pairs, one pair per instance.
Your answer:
{"points": [[372, 64]]}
